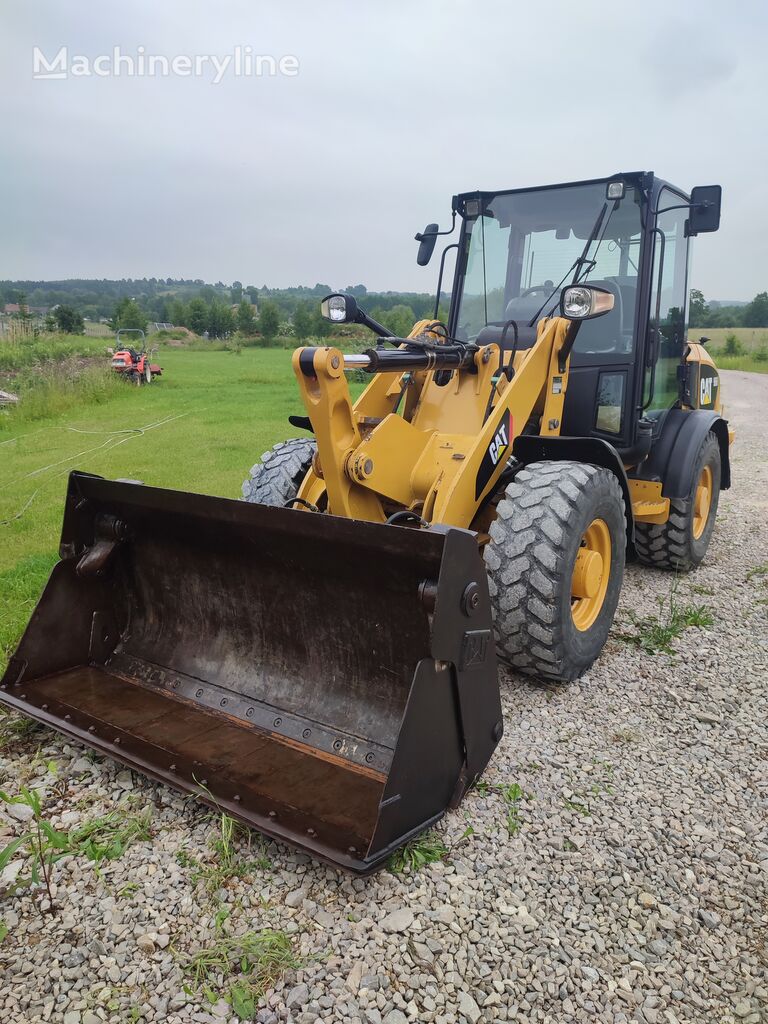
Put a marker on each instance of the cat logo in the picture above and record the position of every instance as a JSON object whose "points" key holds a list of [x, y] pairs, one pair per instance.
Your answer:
{"points": [[499, 444], [496, 453], [707, 386]]}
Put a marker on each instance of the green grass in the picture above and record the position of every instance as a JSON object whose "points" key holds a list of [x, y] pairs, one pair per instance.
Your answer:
{"points": [[204, 424], [747, 363], [655, 634], [109, 837], [417, 853], [751, 338], [512, 795], [28, 352], [241, 968]]}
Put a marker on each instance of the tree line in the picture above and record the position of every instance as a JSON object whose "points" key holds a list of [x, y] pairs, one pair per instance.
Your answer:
{"points": [[168, 300], [703, 314]]}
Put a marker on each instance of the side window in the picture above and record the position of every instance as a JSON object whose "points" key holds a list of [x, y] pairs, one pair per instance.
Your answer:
{"points": [[667, 324]]}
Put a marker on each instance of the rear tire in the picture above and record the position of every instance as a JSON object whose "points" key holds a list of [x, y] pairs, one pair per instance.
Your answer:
{"points": [[682, 542], [277, 478], [550, 513]]}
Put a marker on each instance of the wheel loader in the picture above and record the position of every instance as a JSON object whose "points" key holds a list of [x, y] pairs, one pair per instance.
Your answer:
{"points": [[320, 659]]}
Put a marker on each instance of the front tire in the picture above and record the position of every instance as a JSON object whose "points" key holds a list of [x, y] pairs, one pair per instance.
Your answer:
{"points": [[682, 542], [277, 478], [556, 565]]}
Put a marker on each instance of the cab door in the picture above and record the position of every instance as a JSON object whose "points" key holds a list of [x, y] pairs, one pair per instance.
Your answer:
{"points": [[667, 324]]}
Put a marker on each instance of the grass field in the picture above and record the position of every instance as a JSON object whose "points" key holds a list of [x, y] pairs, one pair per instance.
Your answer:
{"points": [[750, 337], [200, 428]]}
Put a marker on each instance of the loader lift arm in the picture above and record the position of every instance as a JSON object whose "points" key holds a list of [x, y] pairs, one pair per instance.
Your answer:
{"points": [[444, 454]]}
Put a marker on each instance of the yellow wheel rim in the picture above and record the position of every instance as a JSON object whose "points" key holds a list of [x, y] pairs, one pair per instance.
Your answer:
{"points": [[591, 572], [702, 501]]}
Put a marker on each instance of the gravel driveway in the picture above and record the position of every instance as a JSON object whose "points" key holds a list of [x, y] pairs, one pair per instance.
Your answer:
{"points": [[624, 880]]}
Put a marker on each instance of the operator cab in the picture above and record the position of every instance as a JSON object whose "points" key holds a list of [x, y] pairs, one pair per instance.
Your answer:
{"points": [[627, 235]]}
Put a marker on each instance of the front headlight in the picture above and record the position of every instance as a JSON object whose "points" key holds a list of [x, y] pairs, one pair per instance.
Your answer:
{"points": [[581, 302]]}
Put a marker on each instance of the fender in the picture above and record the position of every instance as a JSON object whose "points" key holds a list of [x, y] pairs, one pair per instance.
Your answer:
{"points": [[674, 451], [529, 448]]}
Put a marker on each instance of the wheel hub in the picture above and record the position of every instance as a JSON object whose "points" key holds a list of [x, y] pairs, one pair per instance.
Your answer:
{"points": [[702, 501], [591, 573], [587, 573]]}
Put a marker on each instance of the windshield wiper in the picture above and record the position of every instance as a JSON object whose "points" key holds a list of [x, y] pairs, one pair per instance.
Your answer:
{"points": [[581, 265]]}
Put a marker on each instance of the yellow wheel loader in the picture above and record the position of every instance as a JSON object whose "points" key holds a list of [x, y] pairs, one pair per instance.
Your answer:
{"points": [[319, 660]]}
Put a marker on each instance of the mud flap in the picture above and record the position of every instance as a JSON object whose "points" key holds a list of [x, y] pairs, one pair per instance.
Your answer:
{"points": [[331, 683]]}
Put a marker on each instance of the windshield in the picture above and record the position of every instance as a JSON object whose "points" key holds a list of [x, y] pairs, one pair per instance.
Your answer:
{"points": [[525, 243]]}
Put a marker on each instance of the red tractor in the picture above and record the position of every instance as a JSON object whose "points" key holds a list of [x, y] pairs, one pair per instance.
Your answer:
{"points": [[133, 363]]}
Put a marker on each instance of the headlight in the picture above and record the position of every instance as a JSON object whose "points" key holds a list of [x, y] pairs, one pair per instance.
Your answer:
{"points": [[581, 302], [339, 309]]}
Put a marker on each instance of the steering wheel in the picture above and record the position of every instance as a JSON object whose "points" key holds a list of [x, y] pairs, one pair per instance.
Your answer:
{"points": [[537, 289]]}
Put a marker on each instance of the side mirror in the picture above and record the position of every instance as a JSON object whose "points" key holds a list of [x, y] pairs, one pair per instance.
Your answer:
{"points": [[427, 239], [339, 309], [585, 302], [703, 341], [705, 209]]}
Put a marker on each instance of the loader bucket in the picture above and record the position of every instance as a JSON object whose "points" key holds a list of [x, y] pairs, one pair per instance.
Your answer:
{"points": [[331, 683]]}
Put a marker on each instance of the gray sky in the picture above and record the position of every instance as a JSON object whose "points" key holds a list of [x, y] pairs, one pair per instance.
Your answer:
{"points": [[326, 175]]}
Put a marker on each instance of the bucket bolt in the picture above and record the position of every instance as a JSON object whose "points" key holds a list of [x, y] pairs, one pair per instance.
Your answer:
{"points": [[470, 599]]}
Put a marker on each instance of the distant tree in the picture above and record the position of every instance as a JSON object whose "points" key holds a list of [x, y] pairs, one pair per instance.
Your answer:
{"points": [[245, 321], [321, 328], [756, 312], [399, 319], [302, 321], [698, 310], [197, 316], [129, 315], [237, 291], [356, 289], [253, 293], [221, 321], [177, 313], [68, 320], [269, 320]]}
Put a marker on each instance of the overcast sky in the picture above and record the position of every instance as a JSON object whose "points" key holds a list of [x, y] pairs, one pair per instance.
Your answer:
{"points": [[325, 175]]}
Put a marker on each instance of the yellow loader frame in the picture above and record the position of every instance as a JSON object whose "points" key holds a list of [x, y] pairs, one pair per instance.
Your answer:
{"points": [[443, 457]]}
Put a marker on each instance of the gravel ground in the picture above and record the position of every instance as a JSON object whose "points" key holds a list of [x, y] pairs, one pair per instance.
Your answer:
{"points": [[630, 885]]}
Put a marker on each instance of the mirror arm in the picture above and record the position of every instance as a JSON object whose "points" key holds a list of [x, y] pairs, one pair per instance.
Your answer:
{"points": [[421, 235], [372, 325]]}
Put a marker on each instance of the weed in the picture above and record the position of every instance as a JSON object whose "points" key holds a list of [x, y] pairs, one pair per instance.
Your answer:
{"points": [[4, 929], [42, 846], [222, 915], [16, 729], [512, 795], [227, 863], [576, 805], [418, 852], [109, 837], [568, 845], [246, 964], [625, 735], [758, 570], [655, 633], [699, 588]]}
